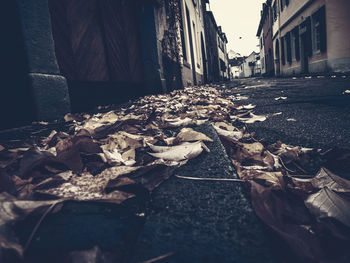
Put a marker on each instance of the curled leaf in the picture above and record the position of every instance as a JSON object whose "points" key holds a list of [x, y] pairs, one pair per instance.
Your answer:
{"points": [[178, 153], [190, 135], [253, 118], [235, 135], [326, 178], [328, 204]]}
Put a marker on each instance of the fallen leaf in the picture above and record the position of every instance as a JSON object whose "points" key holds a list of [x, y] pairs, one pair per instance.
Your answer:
{"points": [[277, 114], [328, 204], [16, 150], [325, 178], [87, 187], [11, 211], [235, 135], [281, 98], [185, 151], [246, 107], [226, 126], [253, 118], [190, 135], [272, 179], [2, 148], [179, 122], [287, 216], [291, 119]]}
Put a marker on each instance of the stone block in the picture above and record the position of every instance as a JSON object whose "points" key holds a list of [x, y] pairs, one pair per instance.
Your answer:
{"points": [[50, 94]]}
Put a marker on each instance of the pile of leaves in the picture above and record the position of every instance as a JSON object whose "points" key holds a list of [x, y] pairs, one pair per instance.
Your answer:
{"points": [[114, 156]]}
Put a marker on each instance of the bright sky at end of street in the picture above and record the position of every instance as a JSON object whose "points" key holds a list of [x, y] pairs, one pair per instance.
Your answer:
{"points": [[239, 20]]}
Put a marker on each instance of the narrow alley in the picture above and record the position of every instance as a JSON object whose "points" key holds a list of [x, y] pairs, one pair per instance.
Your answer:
{"points": [[175, 131]]}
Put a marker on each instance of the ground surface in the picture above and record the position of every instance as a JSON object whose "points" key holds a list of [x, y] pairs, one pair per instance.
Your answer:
{"points": [[214, 221], [318, 105]]}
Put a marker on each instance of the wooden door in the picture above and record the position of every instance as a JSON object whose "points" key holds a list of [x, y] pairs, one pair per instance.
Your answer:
{"points": [[97, 40]]}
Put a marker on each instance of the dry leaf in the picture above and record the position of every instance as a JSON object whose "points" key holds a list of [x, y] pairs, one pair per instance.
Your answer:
{"points": [[281, 98], [190, 135], [325, 178], [179, 122], [235, 135], [185, 151], [328, 204], [87, 187], [253, 118], [272, 179], [246, 107]]}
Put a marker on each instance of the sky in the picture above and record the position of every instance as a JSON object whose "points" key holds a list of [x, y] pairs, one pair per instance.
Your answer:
{"points": [[239, 18]]}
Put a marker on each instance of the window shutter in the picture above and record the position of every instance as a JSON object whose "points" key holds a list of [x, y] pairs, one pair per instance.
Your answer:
{"points": [[309, 36], [282, 51], [323, 28]]}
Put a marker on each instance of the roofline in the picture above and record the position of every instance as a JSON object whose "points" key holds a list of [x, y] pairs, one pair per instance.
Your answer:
{"points": [[263, 16]]}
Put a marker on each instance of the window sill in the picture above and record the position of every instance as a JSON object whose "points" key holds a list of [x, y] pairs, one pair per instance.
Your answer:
{"points": [[186, 64], [316, 52]]}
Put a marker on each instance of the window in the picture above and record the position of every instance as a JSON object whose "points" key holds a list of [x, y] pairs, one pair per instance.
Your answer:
{"points": [[182, 34], [288, 48], [274, 10], [319, 31], [295, 43], [283, 51], [287, 2], [282, 5]]}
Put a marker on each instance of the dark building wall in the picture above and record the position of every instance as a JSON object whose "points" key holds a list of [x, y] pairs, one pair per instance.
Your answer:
{"points": [[98, 50], [32, 88], [212, 47], [16, 104], [268, 47]]}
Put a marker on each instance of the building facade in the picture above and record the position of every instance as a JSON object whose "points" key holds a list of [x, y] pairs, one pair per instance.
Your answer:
{"points": [[211, 37], [223, 56], [217, 56], [194, 61], [250, 67], [311, 36], [265, 40], [64, 56]]}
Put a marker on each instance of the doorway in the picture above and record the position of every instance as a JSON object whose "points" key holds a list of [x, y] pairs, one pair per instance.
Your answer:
{"points": [[304, 53], [204, 60], [277, 58], [97, 45]]}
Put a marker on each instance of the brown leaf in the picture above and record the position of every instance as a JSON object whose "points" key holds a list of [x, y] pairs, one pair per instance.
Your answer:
{"points": [[190, 135], [287, 216], [182, 152], [326, 178], [149, 177], [272, 179], [12, 210], [328, 204], [88, 188], [233, 134], [34, 164], [69, 150]]}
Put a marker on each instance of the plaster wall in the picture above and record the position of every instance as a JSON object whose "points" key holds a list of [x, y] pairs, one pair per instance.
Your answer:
{"points": [[195, 10], [337, 55]]}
